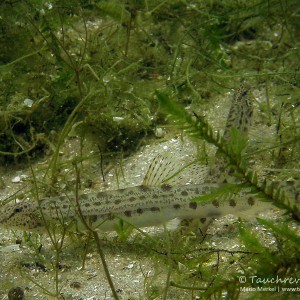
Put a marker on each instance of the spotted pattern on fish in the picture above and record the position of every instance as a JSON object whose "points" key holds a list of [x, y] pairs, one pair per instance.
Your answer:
{"points": [[154, 202]]}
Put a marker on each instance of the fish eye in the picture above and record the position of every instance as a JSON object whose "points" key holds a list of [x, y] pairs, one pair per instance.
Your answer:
{"points": [[18, 209]]}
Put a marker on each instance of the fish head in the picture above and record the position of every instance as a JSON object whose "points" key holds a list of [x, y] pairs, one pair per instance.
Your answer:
{"points": [[21, 216]]}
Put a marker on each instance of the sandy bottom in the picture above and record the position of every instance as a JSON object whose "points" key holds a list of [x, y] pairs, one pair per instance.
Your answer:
{"points": [[139, 266]]}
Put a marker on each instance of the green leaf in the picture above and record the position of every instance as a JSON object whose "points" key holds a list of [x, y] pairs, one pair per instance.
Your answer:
{"points": [[123, 229], [222, 193], [253, 244], [174, 109], [115, 10], [283, 231]]}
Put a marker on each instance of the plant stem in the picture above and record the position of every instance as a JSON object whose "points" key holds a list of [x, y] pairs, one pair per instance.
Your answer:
{"points": [[96, 237]]}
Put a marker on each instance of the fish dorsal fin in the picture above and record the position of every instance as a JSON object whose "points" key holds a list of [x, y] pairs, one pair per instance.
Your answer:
{"points": [[192, 173], [162, 168], [165, 168]]}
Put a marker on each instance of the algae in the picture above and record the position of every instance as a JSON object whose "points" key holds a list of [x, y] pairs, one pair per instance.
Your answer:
{"points": [[78, 86]]}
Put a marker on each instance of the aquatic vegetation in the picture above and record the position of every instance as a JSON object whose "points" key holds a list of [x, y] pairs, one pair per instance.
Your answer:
{"points": [[106, 73]]}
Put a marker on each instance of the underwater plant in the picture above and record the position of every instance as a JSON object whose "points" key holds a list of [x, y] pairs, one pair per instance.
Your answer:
{"points": [[89, 83]]}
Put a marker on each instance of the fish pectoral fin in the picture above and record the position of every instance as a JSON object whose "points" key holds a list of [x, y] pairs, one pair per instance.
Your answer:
{"points": [[165, 168], [173, 224], [197, 225], [162, 168]]}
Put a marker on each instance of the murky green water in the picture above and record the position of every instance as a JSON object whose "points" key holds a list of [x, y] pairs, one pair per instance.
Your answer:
{"points": [[78, 84]]}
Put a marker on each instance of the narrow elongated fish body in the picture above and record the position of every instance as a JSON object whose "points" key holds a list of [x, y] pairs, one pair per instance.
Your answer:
{"points": [[140, 206], [152, 203]]}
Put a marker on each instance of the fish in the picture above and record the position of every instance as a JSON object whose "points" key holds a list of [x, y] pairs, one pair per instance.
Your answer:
{"points": [[153, 202], [140, 206]]}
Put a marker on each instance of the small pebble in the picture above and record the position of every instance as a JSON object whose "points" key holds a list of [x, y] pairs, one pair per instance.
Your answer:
{"points": [[118, 119], [75, 285], [130, 266], [28, 102], [16, 179], [16, 293], [159, 132]]}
